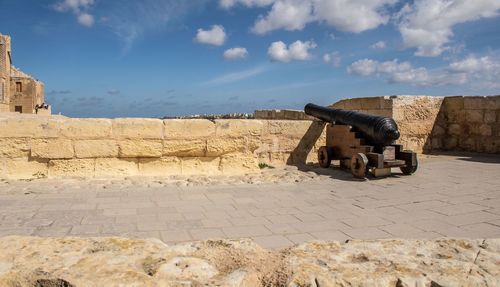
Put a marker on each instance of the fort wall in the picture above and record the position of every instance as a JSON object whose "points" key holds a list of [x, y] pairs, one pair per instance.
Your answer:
{"points": [[55, 147]]}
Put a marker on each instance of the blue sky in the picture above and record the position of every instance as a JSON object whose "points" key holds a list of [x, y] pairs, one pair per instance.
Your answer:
{"points": [[151, 58]]}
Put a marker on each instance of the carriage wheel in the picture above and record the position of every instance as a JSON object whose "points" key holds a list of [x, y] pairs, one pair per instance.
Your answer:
{"points": [[359, 165], [325, 157], [408, 169]]}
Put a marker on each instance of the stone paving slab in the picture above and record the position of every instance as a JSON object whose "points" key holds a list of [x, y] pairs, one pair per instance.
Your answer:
{"points": [[449, 196]]}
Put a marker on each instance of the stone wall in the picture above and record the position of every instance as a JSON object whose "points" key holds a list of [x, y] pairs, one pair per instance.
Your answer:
{"points": [[281, 115], [61, 147], [468, 124]]}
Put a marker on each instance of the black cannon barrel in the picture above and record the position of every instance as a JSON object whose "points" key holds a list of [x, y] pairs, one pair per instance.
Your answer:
{"points": [[378, 130]]}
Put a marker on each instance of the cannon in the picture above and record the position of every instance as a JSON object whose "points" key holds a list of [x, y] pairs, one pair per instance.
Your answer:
{"points": [[362, 143]]}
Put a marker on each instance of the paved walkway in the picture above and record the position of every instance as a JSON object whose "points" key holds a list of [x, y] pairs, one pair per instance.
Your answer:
{"points": [[449, 196]]}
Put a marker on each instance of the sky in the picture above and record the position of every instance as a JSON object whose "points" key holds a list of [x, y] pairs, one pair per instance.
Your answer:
{"points": [[155, 58]]}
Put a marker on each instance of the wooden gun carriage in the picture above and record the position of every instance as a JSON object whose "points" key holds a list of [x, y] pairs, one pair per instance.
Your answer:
{"points": [[362, 143]]}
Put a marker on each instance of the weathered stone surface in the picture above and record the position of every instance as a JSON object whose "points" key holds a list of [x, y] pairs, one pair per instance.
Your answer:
{"points": [[129, 128], [221, 146], [200, 165], [86, 128], [238, 128], [474, 116], [238, 163], [28, 261], [83, 168], [140, 148], [26, 169], [29, 127], [52, 148], [185, 148], [189, 128], [160, 166], [95, 148], [14, 147], [293, 129], [115, 167]]}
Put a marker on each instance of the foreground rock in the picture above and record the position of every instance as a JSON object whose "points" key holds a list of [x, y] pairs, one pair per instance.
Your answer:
{"points": [[32, 261]]}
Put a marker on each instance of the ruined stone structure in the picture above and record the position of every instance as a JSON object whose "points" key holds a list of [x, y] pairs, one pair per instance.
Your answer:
{"points": [[19, 92]]}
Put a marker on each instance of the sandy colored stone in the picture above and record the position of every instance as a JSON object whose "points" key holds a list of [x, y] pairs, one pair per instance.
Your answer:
{"points": [[473, 116], [220, 146], [185, 148], [188, 128], [239, 163], [370, 103], [293, 129], [149, 262], [26, 169], [160, 166], [131, 128], [29, 127], [114, 167], [82, 168], [238, 128], [14, 147], [52, 149], [86, 128], [95, 148], [490, 116], [140, 148], [200, 165]]}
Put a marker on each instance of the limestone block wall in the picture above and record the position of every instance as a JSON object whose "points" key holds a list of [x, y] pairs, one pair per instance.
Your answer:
{"points": [[55, 147], [468, 124], [415, 115]]}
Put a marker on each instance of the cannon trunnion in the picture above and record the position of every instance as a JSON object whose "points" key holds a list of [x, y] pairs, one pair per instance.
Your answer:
{"points": [[362, 143]]}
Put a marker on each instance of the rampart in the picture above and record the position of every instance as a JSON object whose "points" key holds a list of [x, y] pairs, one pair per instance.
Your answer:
{"points": [[55, 147]]}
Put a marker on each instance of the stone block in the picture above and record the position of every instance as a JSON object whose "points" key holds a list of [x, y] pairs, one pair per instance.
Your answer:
{"points": [[475, 103], [200, 165], [474, 116], [52, 149], [81, 168], [467, 144], [220, 146], [438, 131], [188, 128], [370, 103], [129, 128], [160, 166], [86, 128], [26, 169], [437, 143], [238, 128], [485, 130], [296, 129], [140, 148], [490, 116], [238, 163], [95, 148], [185, 148], [454, 129], [352, 104], [14, 147], [453, 103], [456, 116], [29, 128], [114, 167], [450, 143], [490, 145]]}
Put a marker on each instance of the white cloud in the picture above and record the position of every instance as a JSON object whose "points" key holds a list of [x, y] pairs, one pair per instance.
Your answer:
{"points": [[350, 16], [215, 36], [79, 8], [378, 45], [226, 4], [278, 51], [237, 76], [427, 24], [332, 58], [86, 19], [482, 72], [235, 53]]}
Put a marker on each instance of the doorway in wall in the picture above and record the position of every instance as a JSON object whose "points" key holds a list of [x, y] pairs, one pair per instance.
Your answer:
{"points": [[18, 109]]}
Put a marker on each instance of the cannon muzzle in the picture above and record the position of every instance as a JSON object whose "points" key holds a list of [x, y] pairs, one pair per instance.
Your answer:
{"points": [[377, 130]]}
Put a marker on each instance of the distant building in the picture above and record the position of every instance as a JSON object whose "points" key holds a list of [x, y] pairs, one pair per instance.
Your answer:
{"points": [[19, 92]]}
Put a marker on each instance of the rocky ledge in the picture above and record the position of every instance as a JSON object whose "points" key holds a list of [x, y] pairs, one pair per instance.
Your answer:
{"points": [[44, 262]]}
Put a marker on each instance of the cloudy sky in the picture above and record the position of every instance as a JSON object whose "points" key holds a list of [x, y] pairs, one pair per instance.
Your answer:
{"points": [[150, 58]]}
